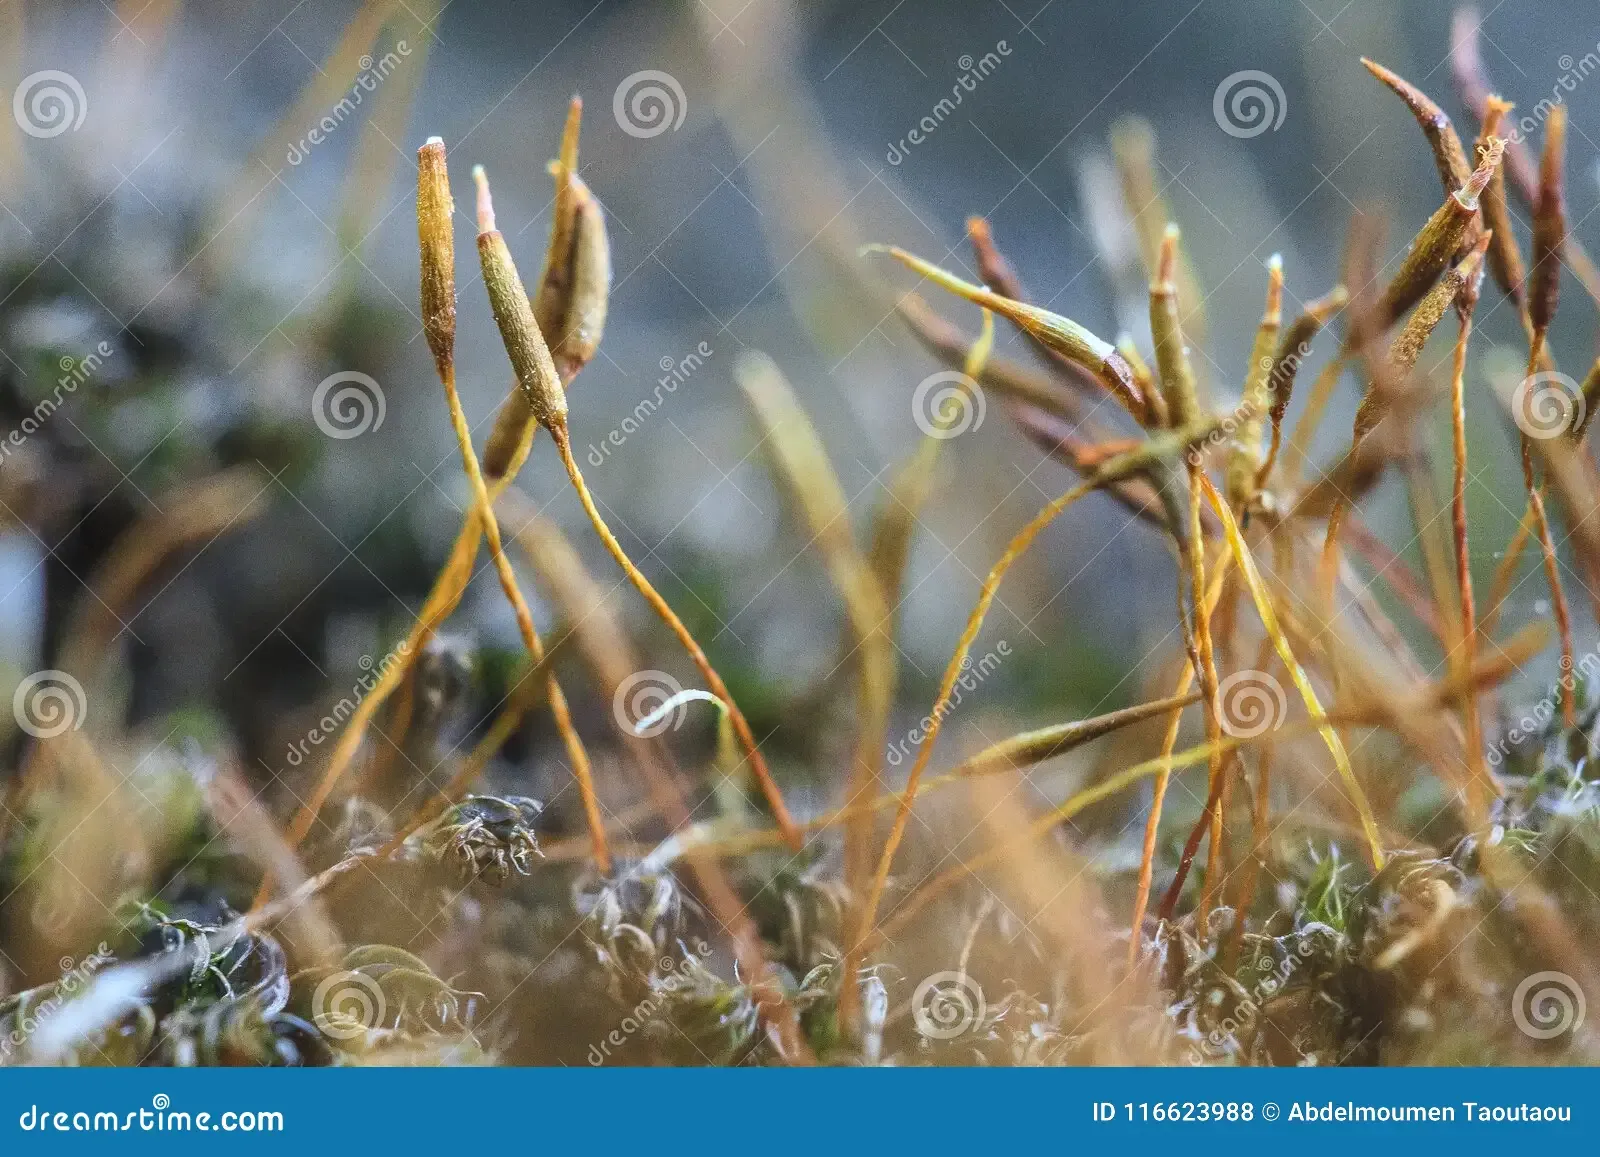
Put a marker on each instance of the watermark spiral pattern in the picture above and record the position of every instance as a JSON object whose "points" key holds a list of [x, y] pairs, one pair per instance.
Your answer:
{"points": [[1250, 703], [947, 1004], [49, 103], [348, 404], [346, 1005], [1547, 405], [649, 103], [49, 703], [638, 701], [1548, 1004], [948, 404], [1249, 103]]}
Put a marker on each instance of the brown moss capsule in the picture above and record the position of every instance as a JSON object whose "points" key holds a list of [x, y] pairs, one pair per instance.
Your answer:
{"points": [[575, 284], [1060, 334], [574, 293], [1407, 345], [1505, 258], [1027, 748], [1438, 241], [555, 280], [1449, 157], [1549, 224], [436, 241], [585, 318], [579, 331], [1293, 350], [508, 301], [999, 275]]}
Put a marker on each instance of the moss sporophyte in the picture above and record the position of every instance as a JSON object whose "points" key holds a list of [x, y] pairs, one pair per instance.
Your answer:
{"points": [[1287, 836]]}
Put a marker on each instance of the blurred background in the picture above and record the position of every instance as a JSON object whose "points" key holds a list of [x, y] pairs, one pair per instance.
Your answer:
{"points": [[223, 194]]}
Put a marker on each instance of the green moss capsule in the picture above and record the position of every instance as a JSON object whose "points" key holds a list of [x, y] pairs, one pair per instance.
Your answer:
{"points": [[1172, 355], [508, 301], [436, 241], [1244, 455]]}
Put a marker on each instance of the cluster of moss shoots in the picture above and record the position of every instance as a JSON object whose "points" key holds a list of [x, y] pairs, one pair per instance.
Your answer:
{"points": [[1381, 931]]}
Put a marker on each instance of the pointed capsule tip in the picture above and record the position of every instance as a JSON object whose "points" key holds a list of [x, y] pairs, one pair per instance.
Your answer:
{"points": [[485, 200], [569, 135], [1167, 258], [1274, 310], [1385, 76], [1408, 92]]}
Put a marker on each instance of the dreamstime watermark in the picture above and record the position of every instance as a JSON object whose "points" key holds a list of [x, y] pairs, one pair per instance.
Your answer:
{"points": [[674, 374], [373, 73], [1282, 371], [1547, 1005], [1225, 429], [1537, 717], [1248, 103], [156, 1119], [1274, 977], [1250, 703], [341, 711], [74, 976], [639, 701], [49, 103], [648, 103], [49, 703], [1573, 73], [947, 404], [972, 674], [348, 404], [972, 72], [1547, 405], [674, 976], [75, 371], [346, 1005], [947, 1005]]}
